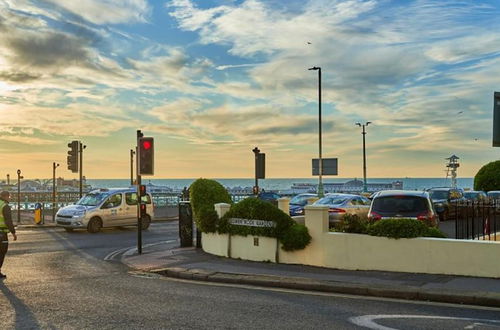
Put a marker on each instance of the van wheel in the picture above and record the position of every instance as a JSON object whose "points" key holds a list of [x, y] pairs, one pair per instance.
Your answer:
{"points": [[146, 221], [94, 225]]}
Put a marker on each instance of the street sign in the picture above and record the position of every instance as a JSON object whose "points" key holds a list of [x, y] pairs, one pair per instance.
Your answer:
{"points": [[330, 166], [496, 119]]}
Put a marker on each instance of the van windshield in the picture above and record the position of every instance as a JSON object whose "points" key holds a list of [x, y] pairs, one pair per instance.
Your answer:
{"points": [[92, 199]]}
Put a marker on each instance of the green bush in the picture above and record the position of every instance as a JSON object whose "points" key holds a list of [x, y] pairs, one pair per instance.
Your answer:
{"points": [[291, 235], [488, 177], [295, 238], [352, 223], [402, 228], [203, 194]]}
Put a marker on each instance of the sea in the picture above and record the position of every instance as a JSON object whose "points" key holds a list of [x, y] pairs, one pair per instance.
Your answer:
{"points": [[276, 184]]}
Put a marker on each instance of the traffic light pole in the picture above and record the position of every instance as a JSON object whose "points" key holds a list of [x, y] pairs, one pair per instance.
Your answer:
{"points": [[19, 177], [132, 152], [256, 151], [80, 150], [139, 218], [54, 166]]}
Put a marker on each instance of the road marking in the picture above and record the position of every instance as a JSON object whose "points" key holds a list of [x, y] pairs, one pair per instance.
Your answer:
{"points": [[368, 321], [328, 294], [131, 250]]}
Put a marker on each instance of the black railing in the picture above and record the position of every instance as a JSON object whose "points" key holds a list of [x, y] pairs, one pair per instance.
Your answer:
{"points": [[477, 219]]}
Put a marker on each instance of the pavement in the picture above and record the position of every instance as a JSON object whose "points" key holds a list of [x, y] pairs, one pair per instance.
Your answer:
{"points": [[190, 263]]}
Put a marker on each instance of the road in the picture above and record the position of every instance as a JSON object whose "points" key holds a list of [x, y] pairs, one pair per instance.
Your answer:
{"points": [[59, 280]]}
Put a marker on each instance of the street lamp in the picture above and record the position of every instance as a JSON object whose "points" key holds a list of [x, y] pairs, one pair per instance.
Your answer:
{"points": [[19, 177], [320, 184], [132, 153], [364, 152], [54, 166]]}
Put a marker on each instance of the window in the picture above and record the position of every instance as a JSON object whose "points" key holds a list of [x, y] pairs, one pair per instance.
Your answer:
{"points": [[131, 198], [113, 201]]}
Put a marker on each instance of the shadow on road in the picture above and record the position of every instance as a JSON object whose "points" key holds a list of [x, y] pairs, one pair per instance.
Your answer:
{"points": [[24, 317]]}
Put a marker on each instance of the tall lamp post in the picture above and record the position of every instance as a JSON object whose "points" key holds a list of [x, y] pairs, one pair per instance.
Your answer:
{"points": [[19, 177], [132, 153], [54, 166], [80, 149], [364, 152], [320, 184]]}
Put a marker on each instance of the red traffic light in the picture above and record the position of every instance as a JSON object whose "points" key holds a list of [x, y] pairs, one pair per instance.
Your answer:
{"points": [[146, 144]]}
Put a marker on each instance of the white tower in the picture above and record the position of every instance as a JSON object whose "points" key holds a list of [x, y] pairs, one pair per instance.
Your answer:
{"points": [[452, 167]]}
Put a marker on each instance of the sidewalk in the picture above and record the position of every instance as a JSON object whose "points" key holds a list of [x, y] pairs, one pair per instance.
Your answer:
{"points": [[194, 264]]}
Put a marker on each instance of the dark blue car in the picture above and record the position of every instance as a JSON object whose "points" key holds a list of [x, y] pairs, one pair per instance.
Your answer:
{"points": [[298, 202]]}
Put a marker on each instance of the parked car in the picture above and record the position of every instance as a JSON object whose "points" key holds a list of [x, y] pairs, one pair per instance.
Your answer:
{"points": [[269, 196], [403, 204], [298, 202], [443, 199], [341, 204], [494, 194], [104, 208], [476, 196]]}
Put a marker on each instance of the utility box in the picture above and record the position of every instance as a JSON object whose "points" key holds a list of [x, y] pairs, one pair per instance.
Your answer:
{"points": [[185, 224]]}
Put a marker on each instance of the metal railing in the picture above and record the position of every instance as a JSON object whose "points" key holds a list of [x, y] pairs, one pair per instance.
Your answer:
{"points": [[477, 219]]}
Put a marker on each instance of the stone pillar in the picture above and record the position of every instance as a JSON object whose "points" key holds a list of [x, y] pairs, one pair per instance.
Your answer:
{"points": [[284, 204], [221, 209], [316, 220]]}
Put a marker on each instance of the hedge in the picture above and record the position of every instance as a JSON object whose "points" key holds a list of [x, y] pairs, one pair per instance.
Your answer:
{"points": [[292, 236], [488, 177], [402, 228], [203, 194]]}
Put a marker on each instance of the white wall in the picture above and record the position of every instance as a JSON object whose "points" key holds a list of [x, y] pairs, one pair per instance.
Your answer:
{"points": [[364, 252]]}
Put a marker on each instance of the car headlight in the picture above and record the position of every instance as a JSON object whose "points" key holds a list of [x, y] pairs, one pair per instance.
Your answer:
{"points": [[78, 214], [300, 211]]}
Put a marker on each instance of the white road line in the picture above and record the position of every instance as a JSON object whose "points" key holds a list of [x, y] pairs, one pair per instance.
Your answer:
{"points": [[368, 321], [131, 250]]}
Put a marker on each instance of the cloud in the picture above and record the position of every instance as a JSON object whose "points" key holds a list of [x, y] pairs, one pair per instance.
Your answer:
{"points": [[107, 11]]}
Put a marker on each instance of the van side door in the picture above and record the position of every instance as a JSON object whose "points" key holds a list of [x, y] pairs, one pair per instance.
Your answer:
{"points": [[112, 212]]}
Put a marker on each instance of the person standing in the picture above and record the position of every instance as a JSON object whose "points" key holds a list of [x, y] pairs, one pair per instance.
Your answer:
{"points": [[6, 226]]}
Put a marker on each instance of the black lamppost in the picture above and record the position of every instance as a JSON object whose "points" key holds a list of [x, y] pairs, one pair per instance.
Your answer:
{"points": [[132, 153], [54, 166], [320, 184], [80, 149], [19, 177], [364, 152]]}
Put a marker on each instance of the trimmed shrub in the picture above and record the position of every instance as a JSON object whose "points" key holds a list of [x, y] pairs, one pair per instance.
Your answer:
{"points": [[291, 235], [253, 208], [295, 238], [203, 194], [402, 228], [352, 223], [488, 177]]}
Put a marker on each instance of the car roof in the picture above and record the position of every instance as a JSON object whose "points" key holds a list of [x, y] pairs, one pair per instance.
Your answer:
{"points": [[114, 190], [494, 191], [442, 188], [387, 193]]}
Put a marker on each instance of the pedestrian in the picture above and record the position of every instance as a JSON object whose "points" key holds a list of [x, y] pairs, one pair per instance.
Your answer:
{"points": [[6, 226]]}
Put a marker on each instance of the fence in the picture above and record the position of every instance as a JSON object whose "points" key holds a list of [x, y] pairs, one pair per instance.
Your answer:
{"points": [[477, 219]]}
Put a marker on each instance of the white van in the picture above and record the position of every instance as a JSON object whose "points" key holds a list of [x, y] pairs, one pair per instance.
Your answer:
{"points": [[104, 208]]}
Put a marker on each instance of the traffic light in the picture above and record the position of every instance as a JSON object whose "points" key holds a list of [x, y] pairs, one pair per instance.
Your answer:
{"points": [[146, 156], [73, 156], [261, 166]]}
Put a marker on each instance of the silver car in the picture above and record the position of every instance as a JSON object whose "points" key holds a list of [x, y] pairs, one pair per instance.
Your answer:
{"points": [[341, 204]]}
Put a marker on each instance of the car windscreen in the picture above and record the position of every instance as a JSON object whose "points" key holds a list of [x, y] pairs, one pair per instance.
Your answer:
{"points": [[471, 194], [400, 205], [439, 194], [332, 200], [494, 195], [300, 200], [92, 199]]}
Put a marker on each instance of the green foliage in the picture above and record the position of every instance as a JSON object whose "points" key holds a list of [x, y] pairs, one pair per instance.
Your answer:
{"points": [[434, 232], [209, 219], [295, 237], [291, 235], [352, 223], [402, 228], [203, 194], [488, 177], [253, 208]]}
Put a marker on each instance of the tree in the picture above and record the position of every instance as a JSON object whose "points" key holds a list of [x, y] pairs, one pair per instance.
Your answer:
{"points": [[488, 177]]}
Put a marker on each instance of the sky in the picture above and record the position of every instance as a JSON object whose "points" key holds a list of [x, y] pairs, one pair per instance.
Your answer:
{"points": [[210, 80]]}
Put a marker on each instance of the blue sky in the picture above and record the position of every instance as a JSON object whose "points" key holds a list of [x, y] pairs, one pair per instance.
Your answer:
{"points": [[210, 80]]}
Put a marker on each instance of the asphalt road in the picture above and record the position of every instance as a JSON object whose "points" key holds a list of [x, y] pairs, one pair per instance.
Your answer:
{"points": [[59, 280]]}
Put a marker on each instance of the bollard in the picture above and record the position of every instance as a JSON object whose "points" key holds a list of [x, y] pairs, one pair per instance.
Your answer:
{"points": [[185, 224]]}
